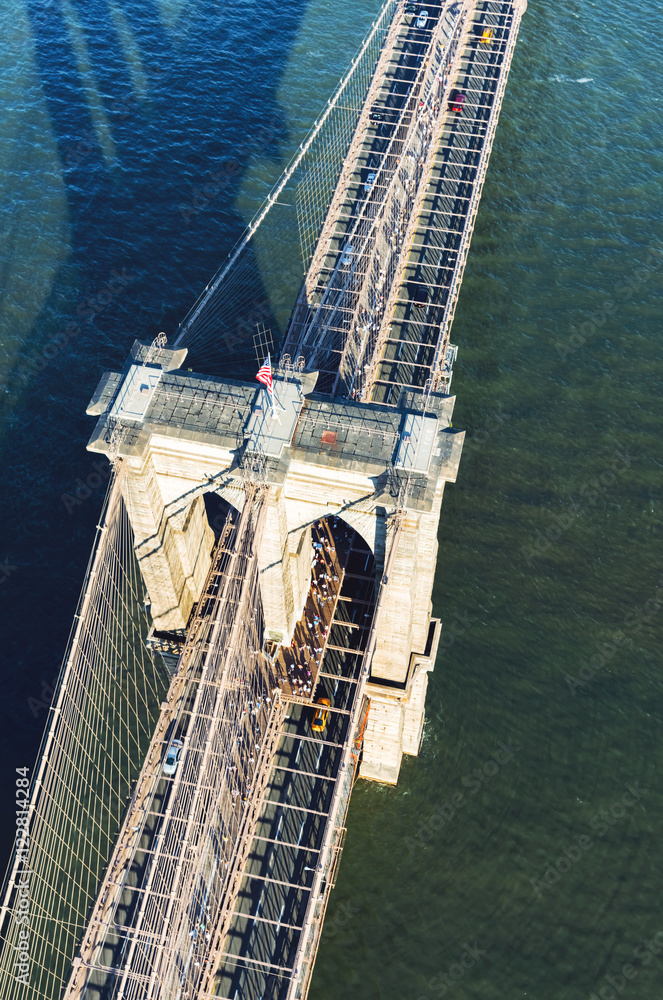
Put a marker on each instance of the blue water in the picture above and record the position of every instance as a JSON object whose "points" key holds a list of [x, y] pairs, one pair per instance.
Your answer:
{"points": [[488, 872]]}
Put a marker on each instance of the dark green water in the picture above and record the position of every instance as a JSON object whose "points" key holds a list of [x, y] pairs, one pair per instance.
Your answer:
{"points": [[549, 555], [549, 549]]}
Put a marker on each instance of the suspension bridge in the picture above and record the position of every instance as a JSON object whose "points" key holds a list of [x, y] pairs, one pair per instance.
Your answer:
{"points": [[255, 628]]}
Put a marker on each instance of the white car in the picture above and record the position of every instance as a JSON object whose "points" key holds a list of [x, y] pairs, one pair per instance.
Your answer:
{"points": [[346, 259], [173, 757], [370, 181], [422, 20]]}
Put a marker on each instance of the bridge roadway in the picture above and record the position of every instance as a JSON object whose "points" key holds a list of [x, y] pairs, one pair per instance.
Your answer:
{"points": [[416, 335], [382, 135], [379, 140], [287, 874], [181, 830], [393, 314], [330, 297], [228, 898]]}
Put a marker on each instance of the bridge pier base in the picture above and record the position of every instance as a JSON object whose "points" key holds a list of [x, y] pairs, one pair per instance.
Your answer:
{"points": [[396, 720], [406, 648]]}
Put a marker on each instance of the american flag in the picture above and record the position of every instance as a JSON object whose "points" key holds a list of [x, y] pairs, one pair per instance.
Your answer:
{"points": [[265, 376]]}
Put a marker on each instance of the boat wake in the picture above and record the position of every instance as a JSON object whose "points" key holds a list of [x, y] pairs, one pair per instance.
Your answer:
{"points": [[560, 78]]}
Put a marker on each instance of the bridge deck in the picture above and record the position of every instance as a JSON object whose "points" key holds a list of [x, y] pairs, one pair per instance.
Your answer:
{"points": [[417, 331], [259, 958], [234, 904], [366, 202], [375, 311]]}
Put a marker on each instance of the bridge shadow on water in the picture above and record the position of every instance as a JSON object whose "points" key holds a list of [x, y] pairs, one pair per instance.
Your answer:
{"points": [[154, 129], [154, 160]]}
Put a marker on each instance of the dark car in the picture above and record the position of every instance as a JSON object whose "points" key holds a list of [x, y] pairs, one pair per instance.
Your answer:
{"points": [[383, 114], [456, 101]]}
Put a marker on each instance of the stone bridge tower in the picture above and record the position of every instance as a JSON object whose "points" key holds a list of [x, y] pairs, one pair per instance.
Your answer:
{"points": [[183, 435]]}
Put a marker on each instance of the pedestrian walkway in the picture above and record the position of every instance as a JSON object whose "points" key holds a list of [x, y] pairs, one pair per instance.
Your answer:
{"points": [[298, 665]]}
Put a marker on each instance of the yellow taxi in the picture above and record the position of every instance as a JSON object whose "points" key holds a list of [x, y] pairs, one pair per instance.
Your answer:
{"points": [[320, 719]]}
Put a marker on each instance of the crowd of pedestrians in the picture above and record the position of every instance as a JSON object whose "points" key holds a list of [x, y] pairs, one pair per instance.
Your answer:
{"points": [[299, 664]]}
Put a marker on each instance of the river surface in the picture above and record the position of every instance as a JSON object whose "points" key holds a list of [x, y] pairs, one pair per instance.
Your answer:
{"points": [[521, 853]]}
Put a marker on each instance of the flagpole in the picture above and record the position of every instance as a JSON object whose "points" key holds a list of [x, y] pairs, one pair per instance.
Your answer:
{"points": [[266, 378]]}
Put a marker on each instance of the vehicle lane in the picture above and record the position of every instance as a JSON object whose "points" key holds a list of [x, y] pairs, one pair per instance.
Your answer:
{"points": [[350, 255], [432, 276], [275, 896]]}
